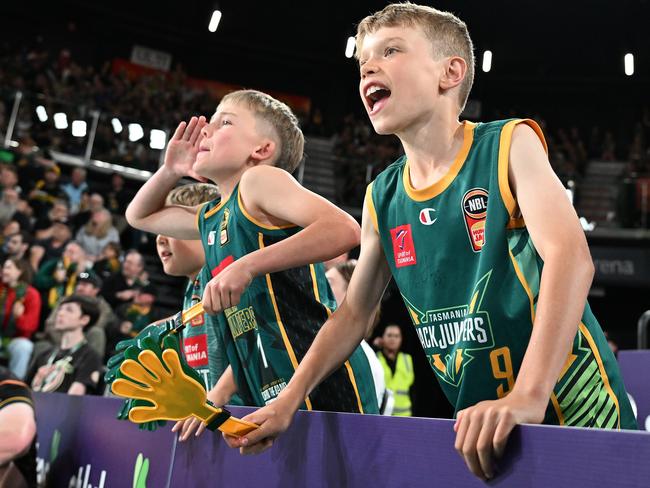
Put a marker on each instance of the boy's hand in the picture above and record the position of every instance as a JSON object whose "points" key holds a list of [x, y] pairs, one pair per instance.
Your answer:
{"points": [[482, 430], [183, 148], [192, 425], [273, 420], [225, 290]]}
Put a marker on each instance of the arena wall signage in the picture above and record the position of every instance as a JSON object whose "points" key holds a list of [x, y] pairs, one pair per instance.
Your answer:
{"points": [[323, 450], [81, 444], [621, 266], [635, 366]]}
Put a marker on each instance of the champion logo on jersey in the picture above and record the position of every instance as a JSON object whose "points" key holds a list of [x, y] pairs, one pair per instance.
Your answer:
{"points": [[427, 216], [211, 237], [474, 206], [403, 246]]}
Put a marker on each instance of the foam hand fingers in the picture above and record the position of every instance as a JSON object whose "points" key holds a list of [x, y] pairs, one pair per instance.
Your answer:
{"points": [[152, 362], [172, 363], [128, 389], [133, 370], [140, 415]]}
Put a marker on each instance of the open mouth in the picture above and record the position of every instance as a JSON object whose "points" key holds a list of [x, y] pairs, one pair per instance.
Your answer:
{"points": [[165, 255], [376, 97]]}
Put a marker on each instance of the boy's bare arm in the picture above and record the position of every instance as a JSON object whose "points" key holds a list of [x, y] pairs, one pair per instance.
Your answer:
{"points": [[273, 194], [553, 225], [336, 340], [273, 197], [147, 210]]}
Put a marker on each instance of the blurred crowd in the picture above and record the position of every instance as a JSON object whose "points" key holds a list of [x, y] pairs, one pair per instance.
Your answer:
{"points": [[64, 236]]}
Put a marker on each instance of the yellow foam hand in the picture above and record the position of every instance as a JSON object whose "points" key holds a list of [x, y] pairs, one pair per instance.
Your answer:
{"points": [[173, 394]]}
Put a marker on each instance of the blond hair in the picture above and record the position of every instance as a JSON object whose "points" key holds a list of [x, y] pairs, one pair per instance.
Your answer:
{"points": [[447, 33], [284, 123], [193, 194]]}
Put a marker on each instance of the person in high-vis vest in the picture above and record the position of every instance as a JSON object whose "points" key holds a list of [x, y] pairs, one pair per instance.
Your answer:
{"points": [[398, 370]]}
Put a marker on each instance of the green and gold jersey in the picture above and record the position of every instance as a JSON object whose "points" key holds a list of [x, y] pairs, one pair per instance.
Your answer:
{"points": [[200, 344], [469, 275], [278, 317]]}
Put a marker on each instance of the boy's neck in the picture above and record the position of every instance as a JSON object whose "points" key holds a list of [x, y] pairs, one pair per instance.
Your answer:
{"points": [[433, 144], [192, 276], [71, 338], [228, 183]]}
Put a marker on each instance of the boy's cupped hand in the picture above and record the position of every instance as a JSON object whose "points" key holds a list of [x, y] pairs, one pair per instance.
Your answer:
{"points": [[183, 148]]}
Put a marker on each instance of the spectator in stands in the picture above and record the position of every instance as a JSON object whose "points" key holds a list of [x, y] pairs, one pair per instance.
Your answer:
{"points": [[90, 204], [109, 260], [88, 285], [398, 370], [118, 199], [9, 179], [123, 286], [46, 191], [135, 316], [13, 207], [75, 188], [44, 225], [73, 367], [16, 246], [17, 433], [58, 277], [98, 232], [20, 305], [52, 247]]}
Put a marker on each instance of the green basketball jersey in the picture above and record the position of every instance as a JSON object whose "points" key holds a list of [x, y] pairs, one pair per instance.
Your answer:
{"points": [[469, 275], [278, 317], [200, 345]]}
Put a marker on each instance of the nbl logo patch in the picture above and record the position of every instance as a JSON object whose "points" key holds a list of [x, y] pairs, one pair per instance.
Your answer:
{"points": [[403, 247], [211, 235], [474, 207]]}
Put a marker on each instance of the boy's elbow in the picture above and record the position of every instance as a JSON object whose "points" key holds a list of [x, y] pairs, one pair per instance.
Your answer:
{"points": [[131, 216], [353, 232]]}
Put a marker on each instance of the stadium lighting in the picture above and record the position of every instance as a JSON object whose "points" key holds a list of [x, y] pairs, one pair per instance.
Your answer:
{"points": [[79, 128], [629, 64], [117, 125], [41, 113], [214, 21], [60, 120], [157, 139], [487, 61], [349, 47], [135, 132]]}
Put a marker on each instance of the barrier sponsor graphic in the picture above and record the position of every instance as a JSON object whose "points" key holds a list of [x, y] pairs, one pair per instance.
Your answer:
{"points": [[635, 366], [323, 449], [82, 444]]}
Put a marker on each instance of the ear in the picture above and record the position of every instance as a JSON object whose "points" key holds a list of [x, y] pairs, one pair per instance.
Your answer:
{"points": [[85, 320], [264, 152], [455, 69]]}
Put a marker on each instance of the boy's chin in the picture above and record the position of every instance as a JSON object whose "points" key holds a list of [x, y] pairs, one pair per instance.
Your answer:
{"points": [[383, 129]]}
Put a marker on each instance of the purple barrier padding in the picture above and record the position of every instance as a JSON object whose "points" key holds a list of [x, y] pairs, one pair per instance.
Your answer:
{"points": [[344, 450], [96, 447], [635, 369]]}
